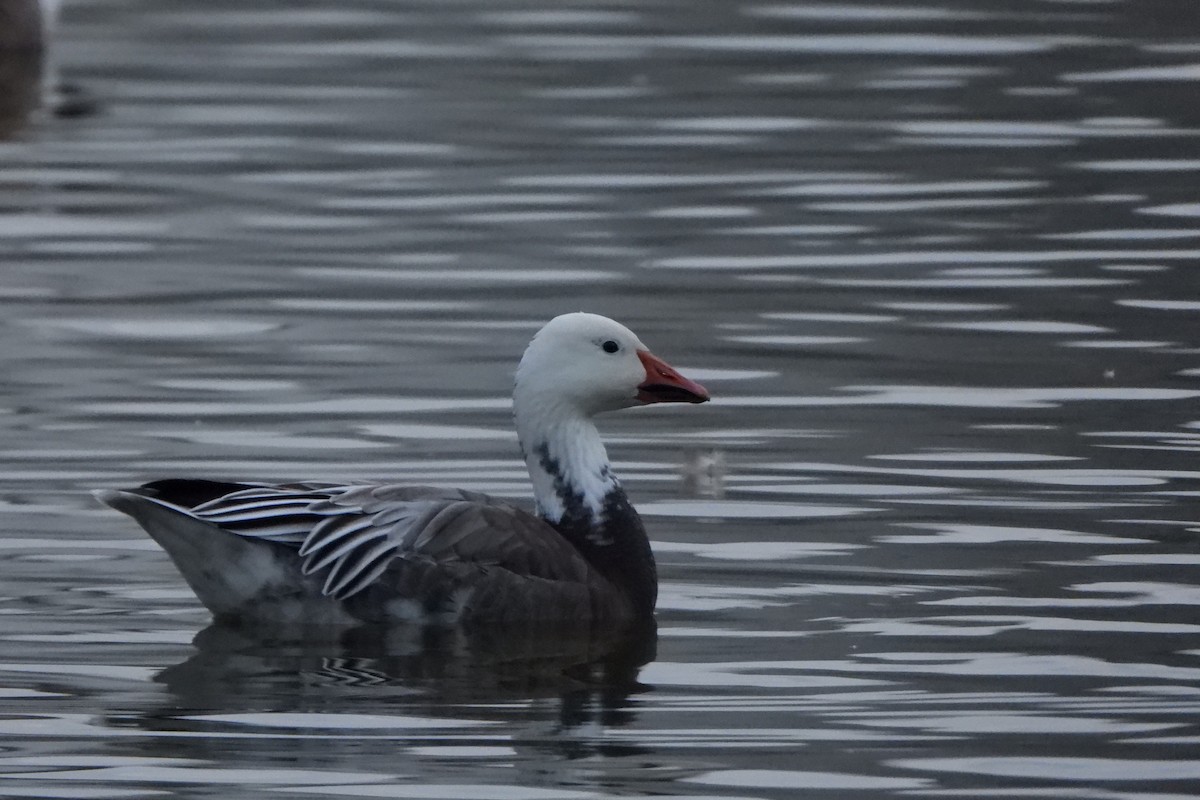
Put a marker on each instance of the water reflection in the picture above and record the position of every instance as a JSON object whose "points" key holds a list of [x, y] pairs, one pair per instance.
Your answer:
{"points": [[439, 665]]}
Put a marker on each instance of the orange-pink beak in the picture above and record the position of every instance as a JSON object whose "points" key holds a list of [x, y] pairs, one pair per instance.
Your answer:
{"points": [[664, 384]]}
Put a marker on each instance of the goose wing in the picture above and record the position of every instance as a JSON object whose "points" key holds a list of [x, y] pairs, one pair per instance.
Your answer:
{"points": [[350, 534]]}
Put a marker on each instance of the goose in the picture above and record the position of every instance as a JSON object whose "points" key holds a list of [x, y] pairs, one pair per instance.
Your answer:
{"points": [[333, 554]]}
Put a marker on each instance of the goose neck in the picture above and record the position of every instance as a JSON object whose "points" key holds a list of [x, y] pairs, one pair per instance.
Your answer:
{"points": [[577, 492], [567, 464]]}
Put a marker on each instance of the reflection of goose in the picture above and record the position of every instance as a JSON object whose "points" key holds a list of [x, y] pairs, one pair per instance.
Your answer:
{"points": [[332, 554], [486, 663]]}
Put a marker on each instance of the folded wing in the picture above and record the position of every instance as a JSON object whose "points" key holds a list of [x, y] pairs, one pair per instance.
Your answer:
{"points": [[351, 535]]}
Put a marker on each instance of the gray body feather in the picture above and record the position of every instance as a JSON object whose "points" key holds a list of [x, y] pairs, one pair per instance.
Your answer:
{"points": [[331, 554]]}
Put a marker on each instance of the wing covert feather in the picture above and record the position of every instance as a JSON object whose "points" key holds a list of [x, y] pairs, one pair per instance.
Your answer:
{"points": [[355, 533]]}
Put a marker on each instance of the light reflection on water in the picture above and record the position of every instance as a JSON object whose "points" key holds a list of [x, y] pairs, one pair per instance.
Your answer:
{"points": [[935, 535]]}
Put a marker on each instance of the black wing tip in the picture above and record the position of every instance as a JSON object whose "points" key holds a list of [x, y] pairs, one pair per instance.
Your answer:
{"points": [[188, 492], [182, 493]]}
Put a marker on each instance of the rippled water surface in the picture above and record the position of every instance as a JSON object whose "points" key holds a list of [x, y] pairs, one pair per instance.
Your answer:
{"points": [[938, 534]]}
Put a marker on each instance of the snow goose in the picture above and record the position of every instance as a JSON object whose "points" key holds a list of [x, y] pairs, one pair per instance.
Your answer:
{"points": [[338, 554]]}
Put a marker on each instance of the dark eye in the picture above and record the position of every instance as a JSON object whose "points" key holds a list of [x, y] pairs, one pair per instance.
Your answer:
{"points": [[610, 346]]}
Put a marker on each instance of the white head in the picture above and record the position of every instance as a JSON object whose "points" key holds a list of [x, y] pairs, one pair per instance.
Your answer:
{"points": [[594, 364], [576, 366]]}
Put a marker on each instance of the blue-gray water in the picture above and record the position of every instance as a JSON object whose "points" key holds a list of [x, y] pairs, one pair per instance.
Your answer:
{"points": [[936, 536]]}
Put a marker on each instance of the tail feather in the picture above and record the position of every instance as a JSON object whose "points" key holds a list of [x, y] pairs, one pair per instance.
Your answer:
{"points": [[229, 573]]}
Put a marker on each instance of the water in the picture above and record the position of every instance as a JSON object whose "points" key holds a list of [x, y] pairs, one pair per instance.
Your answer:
{"points": [[936, 536]]}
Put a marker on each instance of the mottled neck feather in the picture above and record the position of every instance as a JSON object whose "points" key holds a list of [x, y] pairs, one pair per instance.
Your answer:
{"points": [[578, 494]]}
